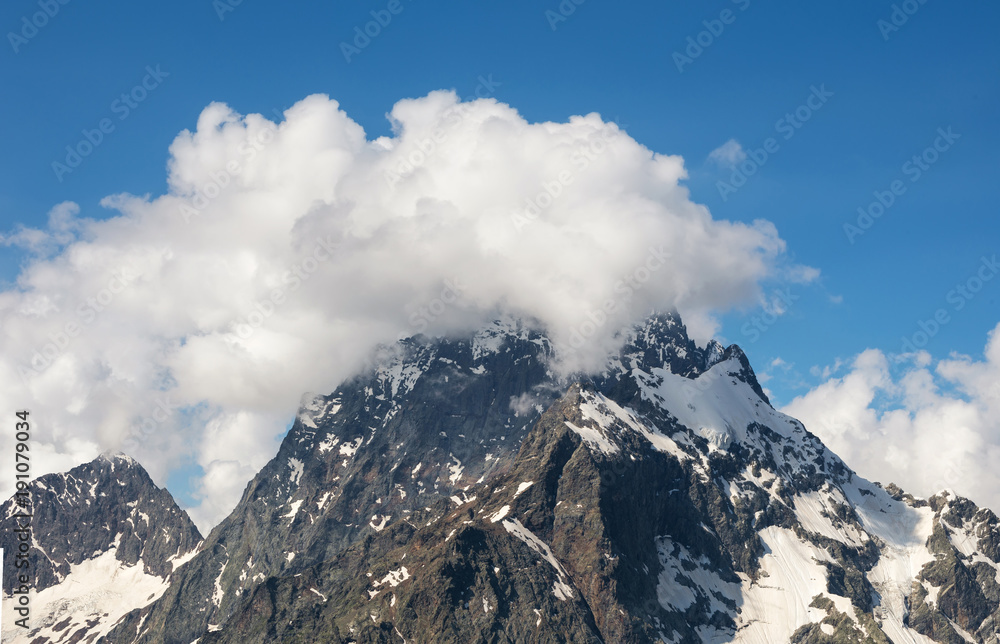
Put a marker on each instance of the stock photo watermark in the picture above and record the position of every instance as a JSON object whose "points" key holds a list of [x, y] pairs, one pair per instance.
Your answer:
{"points": [[365, 34], [586, 152], [782, 299], [561, 13], [220, 180], [625, 289], [958, 298], [222, 7], [161, 412], [86, 313], [122, 107], [714, 28], [914, 170], [786, 127], [291, 280], [422, 318], [32, 24], [23, 514], [423, 149], [898, 17]]}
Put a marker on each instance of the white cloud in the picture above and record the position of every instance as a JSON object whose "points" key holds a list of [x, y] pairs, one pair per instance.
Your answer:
{"points": [[927, 427], [62, 229], [729, 154], [826, 371], [282, 253]]}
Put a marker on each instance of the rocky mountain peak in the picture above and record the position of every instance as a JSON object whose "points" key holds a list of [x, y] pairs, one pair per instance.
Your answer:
{"points": [[107, 504], [662, 341], [458, 491], [105, 541]]}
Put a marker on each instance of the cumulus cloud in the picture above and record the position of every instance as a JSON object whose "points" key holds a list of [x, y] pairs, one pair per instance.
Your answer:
{"points": [[62, 229], [729, 154], [925, 425], [187, 325]]}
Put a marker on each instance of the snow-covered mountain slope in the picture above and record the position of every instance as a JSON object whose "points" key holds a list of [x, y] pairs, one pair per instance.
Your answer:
{"points": [[105, 541], [663, 500]]}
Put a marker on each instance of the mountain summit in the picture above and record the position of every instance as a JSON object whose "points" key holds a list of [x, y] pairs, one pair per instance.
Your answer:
{"points": [[105, 541]]}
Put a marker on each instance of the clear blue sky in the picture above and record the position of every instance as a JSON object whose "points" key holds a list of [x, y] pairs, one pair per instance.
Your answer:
{"points": [[892, 89]]}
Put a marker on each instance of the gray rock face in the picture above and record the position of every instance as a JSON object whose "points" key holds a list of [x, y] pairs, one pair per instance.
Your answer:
{"points": [[108, 503], [105, 541], [459, 492], [429, 419]]}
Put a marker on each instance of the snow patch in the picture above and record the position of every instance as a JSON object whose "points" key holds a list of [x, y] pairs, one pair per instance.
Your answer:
{"points": [[91, 588], [777, 604], [716, 406], [297, 468], [394, 578], [522, 487], [455, 470], [560, 588], [349, 449], [328, 444], [815, 511], [293, 510], [684, 579], [594, 438], [500, 514], [179, 560]]}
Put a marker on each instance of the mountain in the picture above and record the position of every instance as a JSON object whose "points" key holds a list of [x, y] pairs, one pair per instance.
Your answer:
{"points": [[460, 491], [429, 419], [105, 541], [607, 529]]}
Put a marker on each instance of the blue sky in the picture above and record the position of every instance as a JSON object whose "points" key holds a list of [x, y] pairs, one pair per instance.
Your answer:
{"points": [[888, 93]]}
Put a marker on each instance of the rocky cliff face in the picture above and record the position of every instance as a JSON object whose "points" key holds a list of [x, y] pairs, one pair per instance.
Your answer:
{"points": [[459, 491], [106, 540], [431, 418], [610, 528]]}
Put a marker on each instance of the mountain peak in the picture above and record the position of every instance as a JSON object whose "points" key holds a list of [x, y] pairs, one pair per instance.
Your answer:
{"points": [[746, 372], [458, 489], [101, 530], [114, 456]]}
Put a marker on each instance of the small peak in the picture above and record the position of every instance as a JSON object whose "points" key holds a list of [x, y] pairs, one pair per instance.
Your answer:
{"points": [[734, 352], [115, 456], [714, 353]]}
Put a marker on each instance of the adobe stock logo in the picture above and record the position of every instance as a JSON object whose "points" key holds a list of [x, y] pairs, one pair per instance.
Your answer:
{"points": [[123, 106], [30, 27], [784, 299], [291, 281], [914, 169], [787, 126], [714, 28], [625, 289], [419, 152], [363, 37], [958, 297], [586, 152], [422, 318], [901, 14], [86, 313]]}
